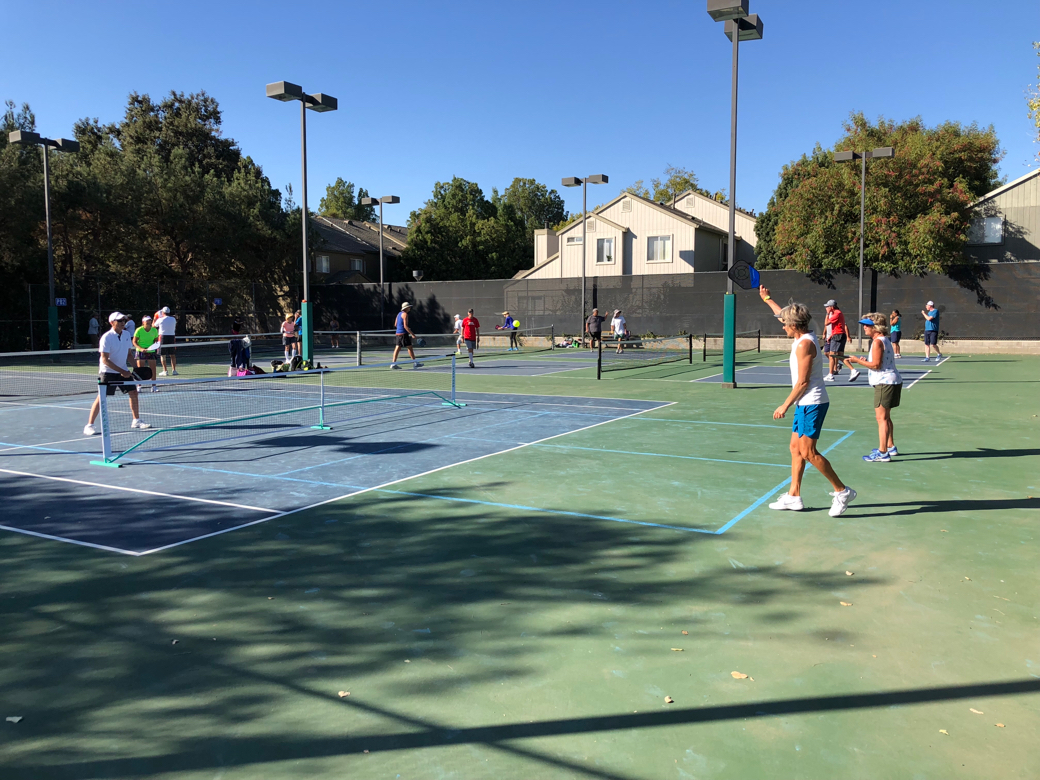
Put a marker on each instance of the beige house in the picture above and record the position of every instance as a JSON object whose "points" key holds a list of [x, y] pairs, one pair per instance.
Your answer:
{"points": [[1006, 222], [634, 236], [347, 250]]}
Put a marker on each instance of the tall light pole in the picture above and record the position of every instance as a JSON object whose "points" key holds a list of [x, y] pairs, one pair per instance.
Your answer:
{"points": [[26, 138], [740, 26], [881, 151], [382, 288], [574, 181], [286, 92]]}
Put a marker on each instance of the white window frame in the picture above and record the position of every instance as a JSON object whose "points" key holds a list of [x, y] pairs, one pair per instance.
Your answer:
{"points": [[650, 241], [573, 240], [982, 229], [600, 251], [357, 264], [321, 264]]}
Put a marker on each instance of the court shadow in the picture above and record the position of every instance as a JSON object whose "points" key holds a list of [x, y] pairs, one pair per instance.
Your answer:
{"points": [[953, 505], [981, 452]]}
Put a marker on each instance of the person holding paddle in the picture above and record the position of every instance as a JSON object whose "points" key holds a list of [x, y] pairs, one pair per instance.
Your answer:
{"points": [[112, 373], [145, 340]]}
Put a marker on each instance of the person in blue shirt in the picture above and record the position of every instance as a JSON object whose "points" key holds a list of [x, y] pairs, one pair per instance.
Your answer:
{"points": [[508, 324], [297, 333], [404, 336], [931, 331]]}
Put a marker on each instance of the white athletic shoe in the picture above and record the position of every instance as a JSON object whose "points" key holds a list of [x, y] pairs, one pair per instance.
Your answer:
{"points": [[841, 501], [829, 378], [854, 375], [88, 430], [139, 425], [787, 501], [163, 372]]}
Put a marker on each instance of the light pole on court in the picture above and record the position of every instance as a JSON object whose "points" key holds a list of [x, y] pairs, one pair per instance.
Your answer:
{"points": [[574, 181], [286, 92], [881, 151], [382, 288], [27, 138], [740, 26]]}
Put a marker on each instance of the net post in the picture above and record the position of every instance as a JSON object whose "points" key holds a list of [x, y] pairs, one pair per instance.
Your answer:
{"points": [[321, 426], [452, 401], [106, 433], [759, 340], [704, 349], [689, 338], [552, 337], [359, 347], [599, 359]]}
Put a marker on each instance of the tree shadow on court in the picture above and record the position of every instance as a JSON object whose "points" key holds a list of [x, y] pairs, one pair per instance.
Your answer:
{"points": [[961, 505], [231, 652], [981, 452]]}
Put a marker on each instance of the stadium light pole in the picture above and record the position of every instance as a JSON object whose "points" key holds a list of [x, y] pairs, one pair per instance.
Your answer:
{"points": [[286, 92], [382, 289], [739, 26], [881, 151], [27, 138], [574, 181]]}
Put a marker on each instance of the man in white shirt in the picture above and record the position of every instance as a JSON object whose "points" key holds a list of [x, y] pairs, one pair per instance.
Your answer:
{"points": [[94, 330], [167, 325], [114, 346]]}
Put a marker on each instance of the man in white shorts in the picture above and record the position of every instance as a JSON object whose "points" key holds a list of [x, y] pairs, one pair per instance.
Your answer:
{"points": [[114, 347]]}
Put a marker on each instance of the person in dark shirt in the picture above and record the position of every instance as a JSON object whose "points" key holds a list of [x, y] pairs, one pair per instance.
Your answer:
{"points": [[594, 327], [509, 325]]}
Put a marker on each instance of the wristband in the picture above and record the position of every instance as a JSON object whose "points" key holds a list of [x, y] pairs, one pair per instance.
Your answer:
{"points": [[768, 298]]}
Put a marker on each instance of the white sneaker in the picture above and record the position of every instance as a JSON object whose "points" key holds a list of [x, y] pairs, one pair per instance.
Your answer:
{"points": [[162, 373], [854, 375], [787, 501], [841, 501], [829, 378], [139, 425], [88, 430]]}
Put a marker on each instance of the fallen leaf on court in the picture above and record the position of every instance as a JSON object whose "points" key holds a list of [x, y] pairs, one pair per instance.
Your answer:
{"points": [[344, 693], [685, 633], [738, 675], [175, 641], [873, 656], [845, 603], [18, 718], [407, 662], [998, 725], [676, 649], [943, 531], [944, 731], [977, 712], [968, 579], [848, 574], [669, 700], [270, 598]]}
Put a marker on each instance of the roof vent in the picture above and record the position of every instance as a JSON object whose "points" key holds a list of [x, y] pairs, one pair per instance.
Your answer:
{"points": [[626, 204], [592, 226]]}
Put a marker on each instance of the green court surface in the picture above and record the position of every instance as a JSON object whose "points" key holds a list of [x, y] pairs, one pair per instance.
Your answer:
{"points": [[526, 614]]}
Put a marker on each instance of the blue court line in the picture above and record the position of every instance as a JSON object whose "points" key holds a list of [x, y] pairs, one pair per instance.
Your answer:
{"points": [[743, 425], [770, 494]]}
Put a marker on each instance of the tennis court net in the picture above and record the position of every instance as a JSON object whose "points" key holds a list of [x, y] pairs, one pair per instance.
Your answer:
{"points": [[378, 346], [641, 353], [746, 341], [184, 414]]}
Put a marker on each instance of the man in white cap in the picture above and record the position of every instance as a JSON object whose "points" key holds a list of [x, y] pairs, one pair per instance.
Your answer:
{"points": [[404, 336], [931, 331], [113, 349], [167, 325]]}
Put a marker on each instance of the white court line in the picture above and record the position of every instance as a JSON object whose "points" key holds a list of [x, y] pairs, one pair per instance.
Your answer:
{"points": [[388, 484], [926, 373], [138, 490], [69, 541]]}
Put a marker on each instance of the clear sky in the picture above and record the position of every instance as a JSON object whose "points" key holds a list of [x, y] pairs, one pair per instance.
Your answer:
{"points": [[494, 90]]}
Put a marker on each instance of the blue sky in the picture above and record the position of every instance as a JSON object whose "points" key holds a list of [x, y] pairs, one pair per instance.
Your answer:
{"points": [[490, 91]]}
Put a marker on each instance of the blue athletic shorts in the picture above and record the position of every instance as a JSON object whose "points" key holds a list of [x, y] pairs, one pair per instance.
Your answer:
{"points": [[808, 419]]}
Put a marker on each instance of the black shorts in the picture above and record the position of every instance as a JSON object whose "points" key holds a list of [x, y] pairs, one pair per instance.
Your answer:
{"points": [[288, 341], [895, 336], [404, 340], [166, 343], [836, 345], [112, 381], [596, 334], [931, 337]]}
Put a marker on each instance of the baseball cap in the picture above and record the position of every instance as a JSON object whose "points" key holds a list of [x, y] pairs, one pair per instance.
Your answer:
{"points": [[165, 309], [930, 303], [831, 302], [117, 315]]}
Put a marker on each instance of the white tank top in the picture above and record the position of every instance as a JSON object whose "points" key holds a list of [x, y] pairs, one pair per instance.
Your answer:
{"points": [[887, 373], [817, 392]]}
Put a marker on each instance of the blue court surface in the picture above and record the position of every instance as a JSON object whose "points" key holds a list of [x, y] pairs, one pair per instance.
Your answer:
{"points": [[170, 496]]}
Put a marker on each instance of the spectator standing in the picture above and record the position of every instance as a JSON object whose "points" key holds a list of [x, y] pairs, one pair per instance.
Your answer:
{"points": [[334, 327], [456, 328], [288, 337], [144, 339], [884, 377], [619, 328], [931, 331], [167, 325], [471, 335], [113, 348], [836, 334], [507, 324], [94, 330], [594, 327], [403, 336], [895, 331]]}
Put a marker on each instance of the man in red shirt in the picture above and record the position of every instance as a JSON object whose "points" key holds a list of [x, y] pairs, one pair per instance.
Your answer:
{"points": [[471, 334], [836, 334]]}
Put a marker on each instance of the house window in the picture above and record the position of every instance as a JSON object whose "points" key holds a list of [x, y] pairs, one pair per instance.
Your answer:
{"points": [[986, 230], [322, 264], [357, 264], [573, 239], [659, 249], [605, 250]]}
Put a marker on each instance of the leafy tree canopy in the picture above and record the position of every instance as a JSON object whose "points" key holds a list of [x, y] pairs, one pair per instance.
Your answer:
{"points": [[1033, 102], [917, 203], [535, 204], [340, 202], [676, 182]]}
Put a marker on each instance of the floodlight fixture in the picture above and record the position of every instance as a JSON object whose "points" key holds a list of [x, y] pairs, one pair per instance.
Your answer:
{"points": [[390, 199], [285, 91], [418, 275], [846, 156], [883, 151], [571, 181], [321, 103], [599, 178], [725, 10], [750, 28], [369, 201], [24, 138], [66, 145]]}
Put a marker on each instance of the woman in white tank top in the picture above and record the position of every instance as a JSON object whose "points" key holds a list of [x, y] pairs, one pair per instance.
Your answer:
{"points": [[809, 397], [886, 380]]}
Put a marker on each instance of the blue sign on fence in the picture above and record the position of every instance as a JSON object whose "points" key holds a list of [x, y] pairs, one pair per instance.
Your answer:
{"points": [[61, 301], [217, 301]]}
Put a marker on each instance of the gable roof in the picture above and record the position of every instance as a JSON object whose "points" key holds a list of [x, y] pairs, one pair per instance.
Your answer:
{"points": [[702, 196], [525, 272], [682, 216], [594, 215], [354, 236], [1009, 186]]}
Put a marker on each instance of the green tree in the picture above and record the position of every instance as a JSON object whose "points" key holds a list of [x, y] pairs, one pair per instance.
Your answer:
{"points": [[340, 202], [676, 182], [535, 204], [918, 203]]}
